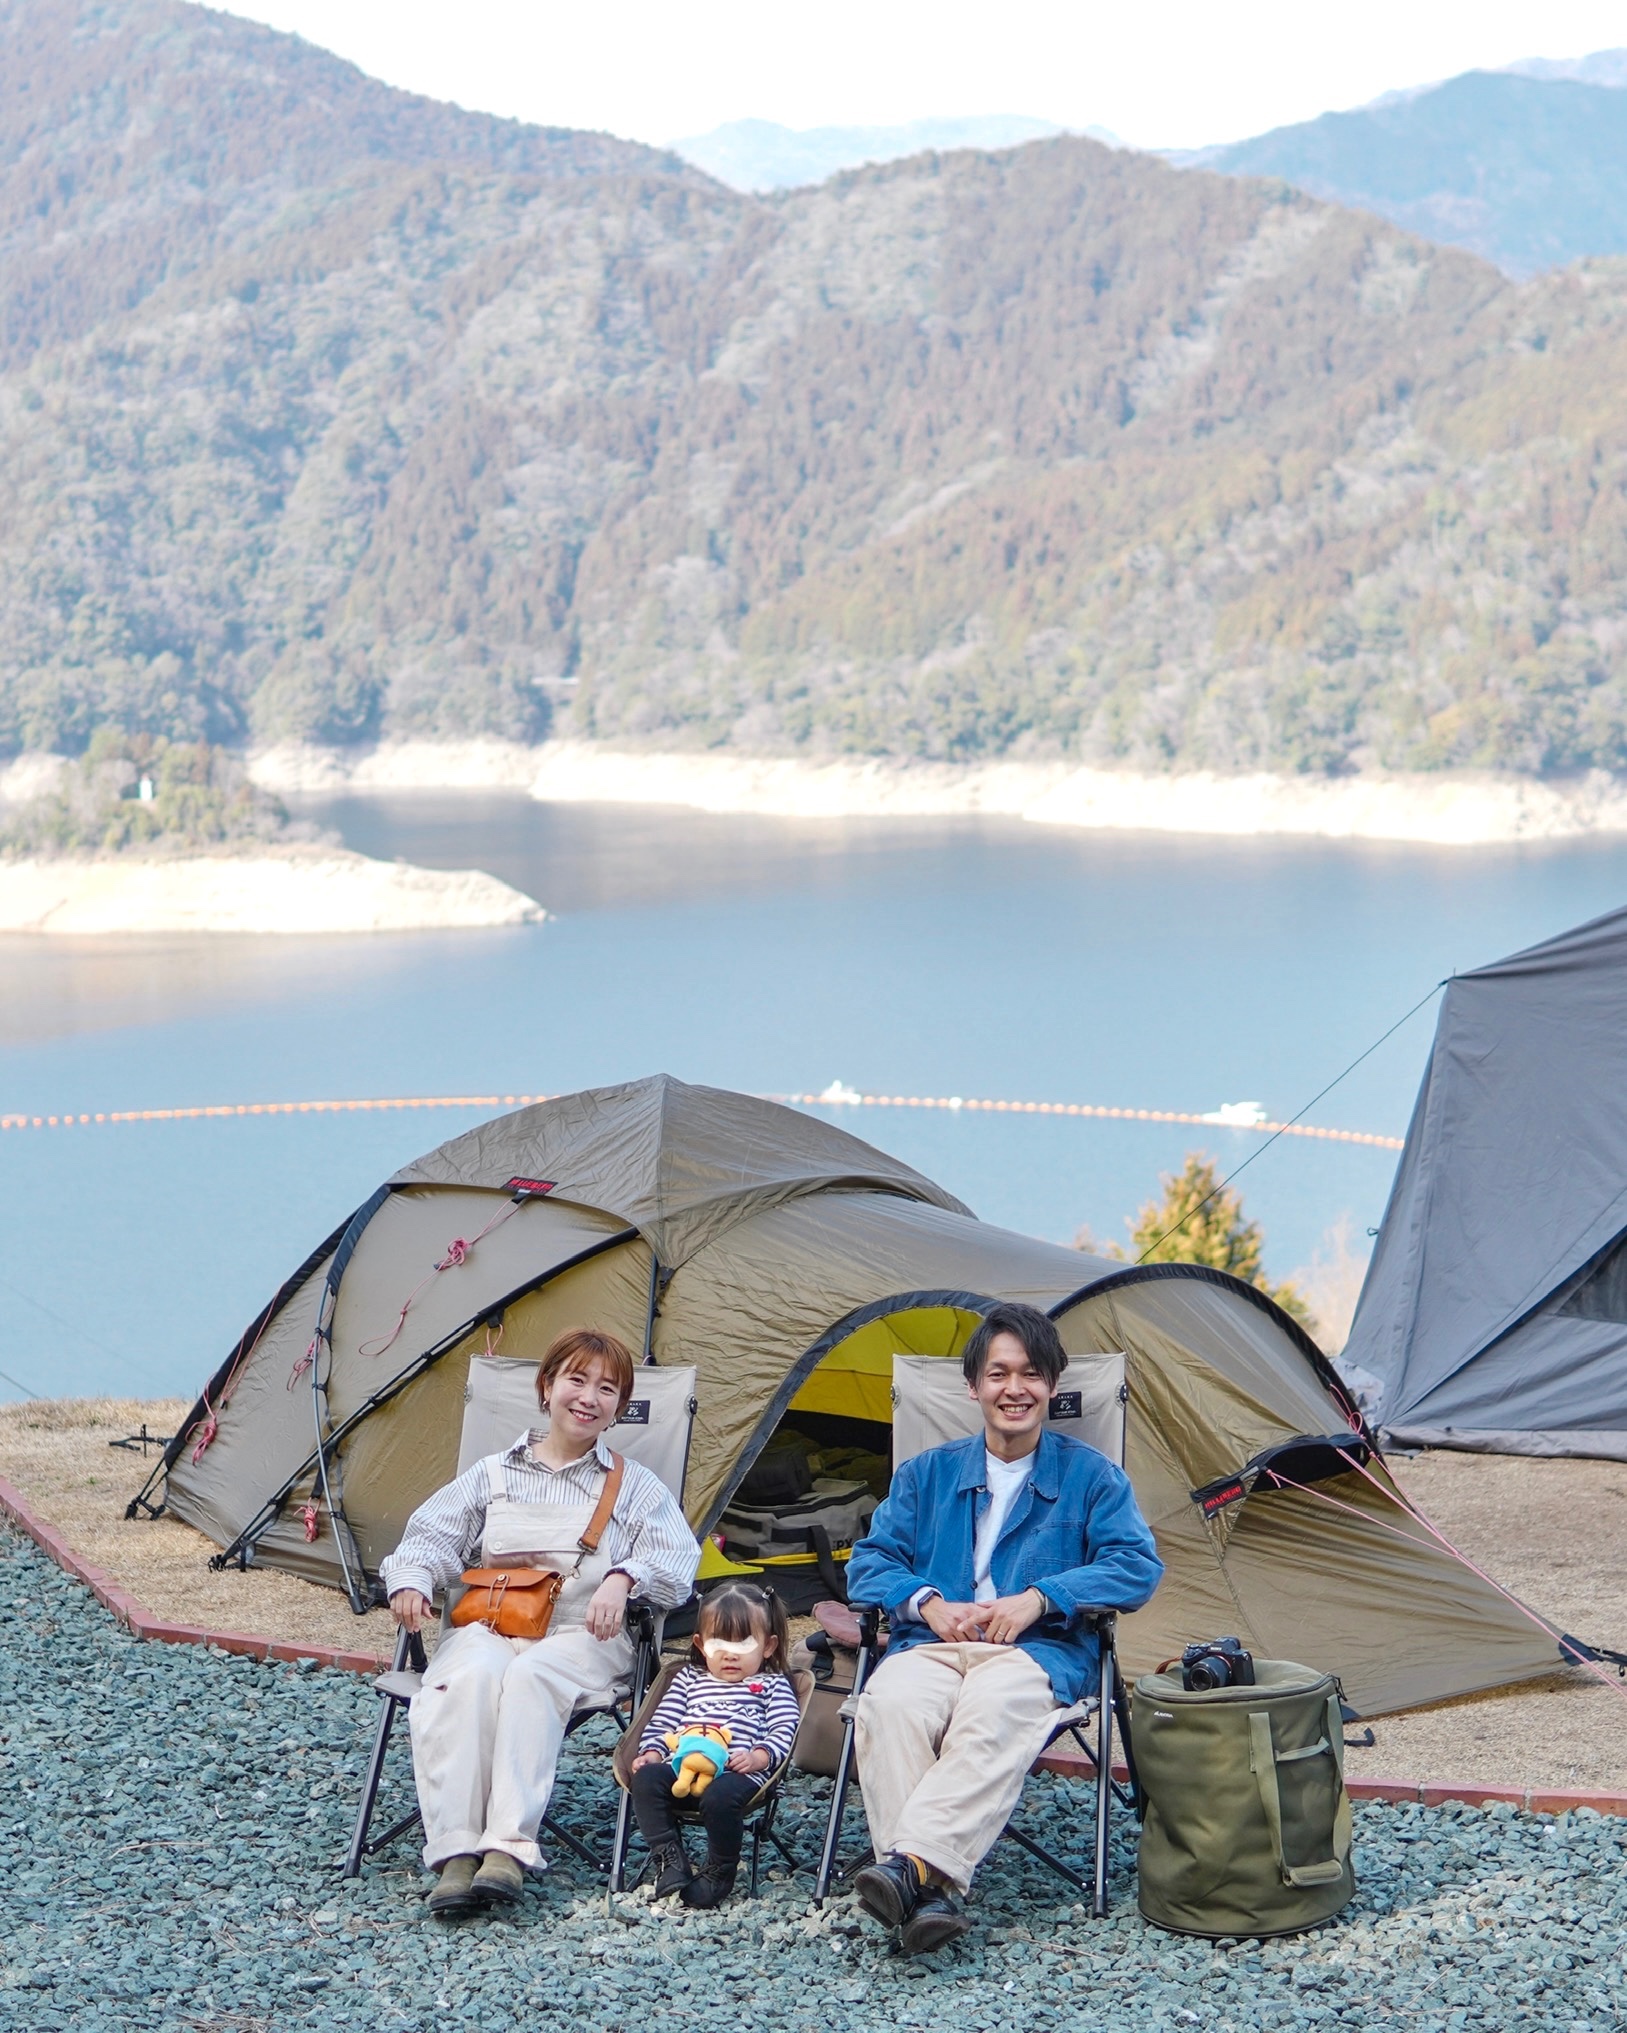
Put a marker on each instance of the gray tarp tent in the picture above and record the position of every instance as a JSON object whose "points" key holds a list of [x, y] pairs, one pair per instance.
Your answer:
{"points": [[788, 1262], [1494, 1314]]}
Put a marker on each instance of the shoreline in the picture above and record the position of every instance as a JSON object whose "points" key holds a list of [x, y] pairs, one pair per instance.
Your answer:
{"points": [[288, 890], [1447, 810]]}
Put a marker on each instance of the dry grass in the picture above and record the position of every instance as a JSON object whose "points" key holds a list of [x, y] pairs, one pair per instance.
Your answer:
{"points": [[59, 1457], [1555, 1532]]}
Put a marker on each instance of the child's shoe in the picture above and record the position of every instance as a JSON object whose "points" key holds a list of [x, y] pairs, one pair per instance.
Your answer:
{"points": [[711, 1885], [672, 1872]]}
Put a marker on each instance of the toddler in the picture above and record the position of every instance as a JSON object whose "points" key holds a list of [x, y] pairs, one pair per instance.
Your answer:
{"points": [[735, 1681]]}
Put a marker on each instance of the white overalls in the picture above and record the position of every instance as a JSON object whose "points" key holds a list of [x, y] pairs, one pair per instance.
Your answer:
{"points": [[490, 1717]]}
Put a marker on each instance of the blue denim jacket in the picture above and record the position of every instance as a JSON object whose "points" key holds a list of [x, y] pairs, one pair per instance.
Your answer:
{"points": [[1074, 1533]]}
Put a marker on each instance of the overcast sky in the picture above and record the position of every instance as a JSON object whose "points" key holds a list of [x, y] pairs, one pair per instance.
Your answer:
{"points": [[1161, 73]]}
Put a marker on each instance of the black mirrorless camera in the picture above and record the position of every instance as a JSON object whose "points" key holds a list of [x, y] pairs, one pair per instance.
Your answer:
{"points": [[1221, 1662]]}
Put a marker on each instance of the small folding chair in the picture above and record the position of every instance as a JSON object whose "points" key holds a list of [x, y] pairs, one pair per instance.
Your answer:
{"points": [[930, 1406], [761, 1809], [499, 1401]]}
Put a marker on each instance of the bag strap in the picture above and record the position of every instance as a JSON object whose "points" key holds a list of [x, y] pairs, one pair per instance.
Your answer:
{"points": [[589, 1541], [825, 1560], [1264, 1759]]}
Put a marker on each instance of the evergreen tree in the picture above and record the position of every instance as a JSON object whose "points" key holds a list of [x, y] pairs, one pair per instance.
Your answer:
{"points": [[1199, 1221]]}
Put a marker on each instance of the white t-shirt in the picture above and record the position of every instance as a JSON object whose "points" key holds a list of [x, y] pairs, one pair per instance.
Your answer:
{"points": [[1007, 1481]]}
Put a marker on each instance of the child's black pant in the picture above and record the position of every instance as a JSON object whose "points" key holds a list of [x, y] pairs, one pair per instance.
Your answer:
{"points": [[722, 1809]]}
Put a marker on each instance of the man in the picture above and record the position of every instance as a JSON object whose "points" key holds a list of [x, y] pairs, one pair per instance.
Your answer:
{"points": [[986, 1556]]}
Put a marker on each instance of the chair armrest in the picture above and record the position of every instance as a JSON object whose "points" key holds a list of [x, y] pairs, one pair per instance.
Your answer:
{"points": [[647, 1621], [840, 1623]]}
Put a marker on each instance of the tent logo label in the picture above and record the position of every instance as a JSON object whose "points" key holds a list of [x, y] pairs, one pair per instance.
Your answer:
{"points": [[1068, 1405], [637, 1413], [1213, 1500], [530, 1186]]}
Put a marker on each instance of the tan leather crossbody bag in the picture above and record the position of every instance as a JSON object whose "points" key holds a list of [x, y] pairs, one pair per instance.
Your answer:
{"points": [[518, 1602]]}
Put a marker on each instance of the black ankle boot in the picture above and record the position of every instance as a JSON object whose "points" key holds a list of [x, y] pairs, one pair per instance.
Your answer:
{"points": [[712, 1884], [672, 1872]]}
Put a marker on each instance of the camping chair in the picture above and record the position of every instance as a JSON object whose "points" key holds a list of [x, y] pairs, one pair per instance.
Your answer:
{"points": [[930, 1406], [500, 1401], [761, 1809]]}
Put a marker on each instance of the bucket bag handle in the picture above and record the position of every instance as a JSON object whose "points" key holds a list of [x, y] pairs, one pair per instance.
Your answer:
{"points": [[1264, 1758]]}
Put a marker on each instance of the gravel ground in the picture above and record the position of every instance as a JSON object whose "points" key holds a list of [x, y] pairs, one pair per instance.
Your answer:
{"points": [[171, 1820]]}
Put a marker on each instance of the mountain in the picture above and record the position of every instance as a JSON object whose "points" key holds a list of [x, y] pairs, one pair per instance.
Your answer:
{"points": [[1604, 67], [1528, 171], [759, 155], [141, 140], [329, 414]]}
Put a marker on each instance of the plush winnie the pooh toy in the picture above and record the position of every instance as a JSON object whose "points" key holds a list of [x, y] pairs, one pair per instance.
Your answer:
{"points": [[699, 1753]]}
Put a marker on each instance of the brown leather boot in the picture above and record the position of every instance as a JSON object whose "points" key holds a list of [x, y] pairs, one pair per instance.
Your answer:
{"points": [[455, 1893], [499, 1878]]}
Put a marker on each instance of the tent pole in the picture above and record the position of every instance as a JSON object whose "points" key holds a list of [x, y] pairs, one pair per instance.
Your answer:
{"points": [[271, 1509], [649, 1309]]}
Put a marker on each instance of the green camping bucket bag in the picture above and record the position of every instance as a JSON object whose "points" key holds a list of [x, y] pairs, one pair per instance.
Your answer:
{"points": [[1246, 1826]]}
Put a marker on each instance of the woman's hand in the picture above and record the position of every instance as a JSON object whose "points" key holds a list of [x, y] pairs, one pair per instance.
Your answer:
{"points": [[410, 1609], [608, 1609], [749, 1761], [648, 1758]]}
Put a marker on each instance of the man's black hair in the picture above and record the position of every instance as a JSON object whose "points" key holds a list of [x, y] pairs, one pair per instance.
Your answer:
{"points": [[1034, 1329]]}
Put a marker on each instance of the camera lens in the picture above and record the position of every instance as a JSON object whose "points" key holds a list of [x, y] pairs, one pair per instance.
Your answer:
{"points": [[1205, 1675]]}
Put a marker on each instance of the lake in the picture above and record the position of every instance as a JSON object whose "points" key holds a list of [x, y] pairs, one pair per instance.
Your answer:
{"points": [[943, 957]]}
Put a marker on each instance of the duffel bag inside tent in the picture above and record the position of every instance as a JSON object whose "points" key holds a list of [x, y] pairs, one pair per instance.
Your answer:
{"points": [[788, 1262], [1494, 1313]]}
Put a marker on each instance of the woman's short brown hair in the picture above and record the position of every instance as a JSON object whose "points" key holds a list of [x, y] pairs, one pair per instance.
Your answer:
{"points": [[575, 1350]]}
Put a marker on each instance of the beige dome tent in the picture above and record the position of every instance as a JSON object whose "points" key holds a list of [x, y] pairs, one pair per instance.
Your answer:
{"points": [[788, 1261]]}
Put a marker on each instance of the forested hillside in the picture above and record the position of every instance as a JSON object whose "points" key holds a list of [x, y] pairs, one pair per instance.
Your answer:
{"points": [[329, 413]]}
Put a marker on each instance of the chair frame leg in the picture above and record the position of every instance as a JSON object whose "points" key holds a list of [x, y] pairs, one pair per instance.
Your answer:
{"points": [[408, 1647], [646, 1658], [1104, 1772], [1121, 1703], [839, 1785], [359, 1845], [561, 1833], [1047, 1857]]}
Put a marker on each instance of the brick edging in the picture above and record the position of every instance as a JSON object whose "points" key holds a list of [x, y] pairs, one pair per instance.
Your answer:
{"points": [[1425, 1792], [141, 1623]]}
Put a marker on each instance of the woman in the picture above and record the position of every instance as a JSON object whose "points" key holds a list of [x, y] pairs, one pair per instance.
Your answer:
{"points": [[490, 1717]]}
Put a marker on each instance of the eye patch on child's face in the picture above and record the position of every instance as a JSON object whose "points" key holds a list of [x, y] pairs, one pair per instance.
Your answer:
{"points": [[728, 1650]]}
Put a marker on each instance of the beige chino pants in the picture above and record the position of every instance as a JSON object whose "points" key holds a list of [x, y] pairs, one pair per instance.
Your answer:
{"points": [[487, 1725], [945, 1735]]}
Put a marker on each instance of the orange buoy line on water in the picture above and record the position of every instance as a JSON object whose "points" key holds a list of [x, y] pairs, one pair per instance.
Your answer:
{"points": [[835, 1096], [1217, 1119]]}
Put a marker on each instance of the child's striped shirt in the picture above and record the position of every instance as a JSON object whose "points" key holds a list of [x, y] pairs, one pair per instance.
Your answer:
{"points": [[759, 1713]]}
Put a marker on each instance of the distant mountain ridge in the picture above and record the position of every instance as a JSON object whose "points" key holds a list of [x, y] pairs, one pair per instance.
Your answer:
{"points": [[1527, 168], [1603, 67], [761, 155], [329, 414]]}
